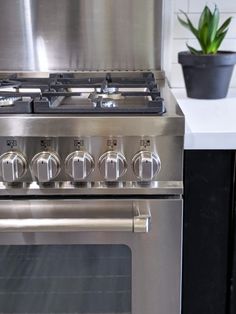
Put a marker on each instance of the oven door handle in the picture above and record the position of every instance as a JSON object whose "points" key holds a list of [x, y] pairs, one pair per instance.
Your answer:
{"points": [[140, 222]]}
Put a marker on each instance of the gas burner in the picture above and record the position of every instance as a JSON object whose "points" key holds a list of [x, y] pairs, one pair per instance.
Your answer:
{"points": [[106, 89], [67, 93], [106, 100]]}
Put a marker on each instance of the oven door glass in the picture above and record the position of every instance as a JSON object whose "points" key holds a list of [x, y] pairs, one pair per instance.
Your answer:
{"points": [[65, 279]]}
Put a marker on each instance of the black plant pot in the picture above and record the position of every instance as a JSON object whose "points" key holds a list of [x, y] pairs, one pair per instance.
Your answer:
{"points": [[207, 76]]}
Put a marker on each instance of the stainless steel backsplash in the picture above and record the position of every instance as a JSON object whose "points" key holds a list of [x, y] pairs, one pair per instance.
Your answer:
{"points": [[80, 35]]}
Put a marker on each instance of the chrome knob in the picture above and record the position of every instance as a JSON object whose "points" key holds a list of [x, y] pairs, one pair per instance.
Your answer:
{"points": [[13, 166], [146, 165], [79, 165], [112, 165], [45, 166]]}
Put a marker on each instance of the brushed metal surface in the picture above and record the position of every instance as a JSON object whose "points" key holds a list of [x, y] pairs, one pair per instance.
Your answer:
{"points": [[58, 125], [156, 255], [42, 35], [168, 188], [69, 216], [168, 148]]}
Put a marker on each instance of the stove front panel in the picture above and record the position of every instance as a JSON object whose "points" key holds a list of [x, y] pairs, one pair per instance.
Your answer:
{"points": [[141, 156]]}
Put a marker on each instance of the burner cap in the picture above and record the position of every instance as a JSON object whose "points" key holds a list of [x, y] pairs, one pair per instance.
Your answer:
{"points": [[105, 100]]}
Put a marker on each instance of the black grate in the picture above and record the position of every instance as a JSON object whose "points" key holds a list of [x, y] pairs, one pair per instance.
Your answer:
{"points": [[54, 94]]}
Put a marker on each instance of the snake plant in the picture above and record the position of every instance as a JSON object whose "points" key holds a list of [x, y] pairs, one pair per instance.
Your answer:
{"points": [[208, 32]]}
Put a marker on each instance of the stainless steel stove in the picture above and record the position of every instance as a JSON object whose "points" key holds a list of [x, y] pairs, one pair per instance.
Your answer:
{"points": [[91, 160], [91, 149]]}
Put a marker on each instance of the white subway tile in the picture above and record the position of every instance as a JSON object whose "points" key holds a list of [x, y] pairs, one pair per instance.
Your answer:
{"points": [[229, 44], [232, 27], [181, 32], [176, 76], [181, 5], [224, 5], [177, 46]]}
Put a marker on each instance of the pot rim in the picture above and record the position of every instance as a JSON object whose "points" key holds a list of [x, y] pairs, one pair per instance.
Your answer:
{"points": [[223, 57]]}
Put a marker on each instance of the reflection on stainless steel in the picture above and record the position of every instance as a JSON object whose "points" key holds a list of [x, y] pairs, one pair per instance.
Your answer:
{"points": [[61, 125], [13, 166], [94, 188], [146, 165], [67, 216], [28, 30], [45, 166], [44, 35]]}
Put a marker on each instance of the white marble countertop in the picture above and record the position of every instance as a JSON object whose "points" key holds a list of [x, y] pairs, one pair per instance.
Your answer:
{"points": [[209, 124]]}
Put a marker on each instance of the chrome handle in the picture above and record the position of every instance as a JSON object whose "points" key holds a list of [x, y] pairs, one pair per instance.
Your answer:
{"points": [[50, 218], [75, 225]]}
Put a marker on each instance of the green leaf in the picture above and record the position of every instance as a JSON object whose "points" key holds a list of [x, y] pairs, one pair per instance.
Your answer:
{"points": [[182, 22], [193, 50], [213, 25], [203, 18], [219, 39], [203, 37], [224, 26], [188, 24]]}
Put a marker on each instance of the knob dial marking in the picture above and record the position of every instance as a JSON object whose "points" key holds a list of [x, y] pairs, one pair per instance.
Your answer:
{"points": [[79, 165], [112, 165], [13, 166], [146, 165], [45, 166]]}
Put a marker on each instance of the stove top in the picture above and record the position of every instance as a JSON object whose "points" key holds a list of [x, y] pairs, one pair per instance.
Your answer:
{"points": [[66, 93]]}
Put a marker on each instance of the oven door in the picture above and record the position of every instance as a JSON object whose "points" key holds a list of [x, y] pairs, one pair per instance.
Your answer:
{"points": [[85, 256]]}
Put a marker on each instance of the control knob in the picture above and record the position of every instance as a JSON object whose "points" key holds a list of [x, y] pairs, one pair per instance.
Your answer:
{"points": [[79, 165], [146, 165], [45, 166], [112, 165], [13, 166]]}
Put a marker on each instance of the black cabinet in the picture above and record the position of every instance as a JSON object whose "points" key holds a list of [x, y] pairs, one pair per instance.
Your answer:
{"points": [[233, 258], [207, 248]]}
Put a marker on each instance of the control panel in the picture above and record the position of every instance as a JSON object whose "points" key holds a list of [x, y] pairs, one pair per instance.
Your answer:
{"points": [[102, 159]]}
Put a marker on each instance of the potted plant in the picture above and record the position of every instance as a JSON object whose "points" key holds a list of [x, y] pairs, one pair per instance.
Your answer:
{"points": [[207, 72]]}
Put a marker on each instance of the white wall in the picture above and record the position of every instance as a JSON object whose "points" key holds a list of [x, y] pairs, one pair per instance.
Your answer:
{"points": [[182, 35]]}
